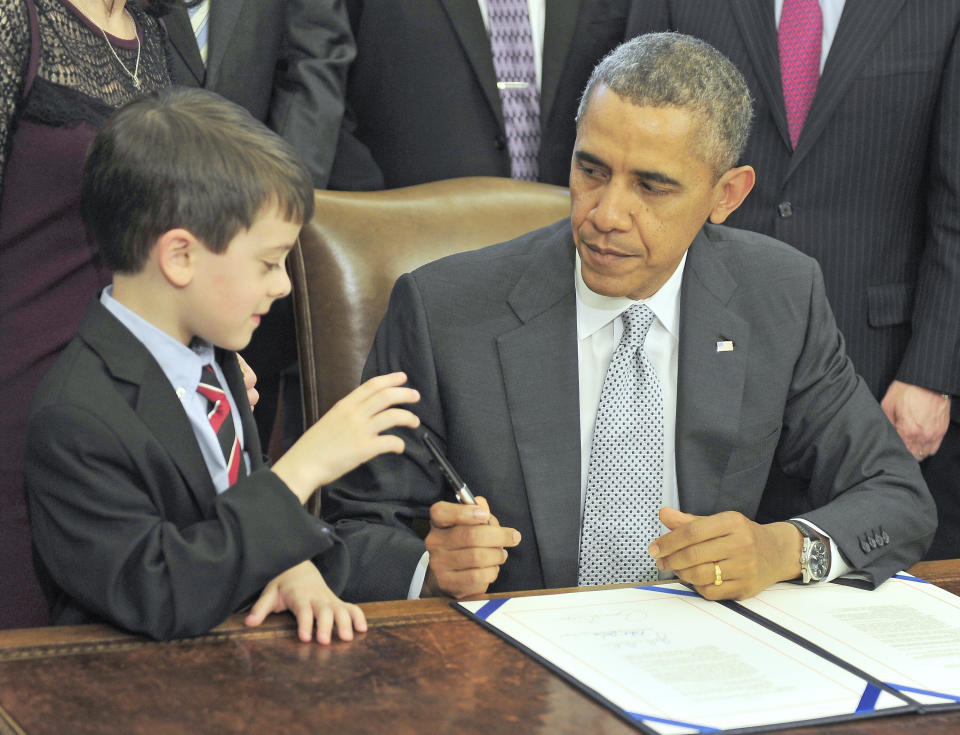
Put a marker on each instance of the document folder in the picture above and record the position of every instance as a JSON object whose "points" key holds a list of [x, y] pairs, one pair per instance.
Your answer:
{"points": [[668, 661]]}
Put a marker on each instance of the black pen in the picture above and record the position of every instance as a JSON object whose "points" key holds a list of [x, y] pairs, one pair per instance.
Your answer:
{"points": [[460, 489]]}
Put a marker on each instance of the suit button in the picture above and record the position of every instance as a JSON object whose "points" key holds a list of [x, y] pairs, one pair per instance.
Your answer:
{"points": [[499, 142], [785, 209], [886, 537], [865, 545], [872, 540]]}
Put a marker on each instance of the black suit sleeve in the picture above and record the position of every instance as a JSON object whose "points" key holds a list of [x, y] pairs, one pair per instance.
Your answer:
{"points": [[375, 507], [863, 485], [307, 104], [104, 504]]}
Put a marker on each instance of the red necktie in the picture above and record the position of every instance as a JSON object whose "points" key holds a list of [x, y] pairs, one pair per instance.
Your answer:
{"points": [[799, 39], [218, 412]]}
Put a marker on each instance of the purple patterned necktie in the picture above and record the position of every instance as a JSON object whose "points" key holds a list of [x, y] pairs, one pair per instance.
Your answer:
{"points": [[512, 47], [798, 40]]}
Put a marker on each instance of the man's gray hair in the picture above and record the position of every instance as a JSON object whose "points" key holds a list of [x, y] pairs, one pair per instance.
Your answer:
{"points": [[674, 70]]}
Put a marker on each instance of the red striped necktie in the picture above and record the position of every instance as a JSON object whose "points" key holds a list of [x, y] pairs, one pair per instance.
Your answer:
{"points": [[218, 412]]}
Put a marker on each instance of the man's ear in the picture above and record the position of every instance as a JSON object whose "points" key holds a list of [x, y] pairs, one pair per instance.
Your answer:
{"points": [[176, 252], [733, 187]]}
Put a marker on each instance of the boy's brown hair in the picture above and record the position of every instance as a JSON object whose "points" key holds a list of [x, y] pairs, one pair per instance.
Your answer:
{"points": [[185, 157]]}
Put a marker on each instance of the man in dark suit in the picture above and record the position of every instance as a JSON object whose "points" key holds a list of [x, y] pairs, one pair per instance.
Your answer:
{"points": [[508, 346], [422, 95], [870, 191], [286, 63]]}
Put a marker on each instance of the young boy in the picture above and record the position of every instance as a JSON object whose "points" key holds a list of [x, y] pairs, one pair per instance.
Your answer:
{"points": [[150, 504]]}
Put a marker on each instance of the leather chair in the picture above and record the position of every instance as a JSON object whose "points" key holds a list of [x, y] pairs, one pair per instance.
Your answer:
{"points": [[358, 244]]}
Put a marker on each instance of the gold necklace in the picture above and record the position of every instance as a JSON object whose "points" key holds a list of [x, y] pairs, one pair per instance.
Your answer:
{"points": [[134, 75]]}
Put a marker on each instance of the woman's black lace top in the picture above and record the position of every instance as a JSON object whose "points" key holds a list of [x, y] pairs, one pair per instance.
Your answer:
{"points": [[78, 79]]}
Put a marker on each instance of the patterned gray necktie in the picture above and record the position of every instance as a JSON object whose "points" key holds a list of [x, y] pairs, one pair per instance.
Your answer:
{"points": [[512, 47], [625, 476]]}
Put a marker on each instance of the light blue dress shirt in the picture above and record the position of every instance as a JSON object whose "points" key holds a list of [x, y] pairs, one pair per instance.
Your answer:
{"points": [[182, 365]]}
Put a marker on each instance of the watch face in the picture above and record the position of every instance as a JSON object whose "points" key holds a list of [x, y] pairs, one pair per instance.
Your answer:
{"points": [[819, 561]]}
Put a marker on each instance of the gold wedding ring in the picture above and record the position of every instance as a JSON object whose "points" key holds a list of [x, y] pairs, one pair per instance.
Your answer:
{"points": [[717, 578]]}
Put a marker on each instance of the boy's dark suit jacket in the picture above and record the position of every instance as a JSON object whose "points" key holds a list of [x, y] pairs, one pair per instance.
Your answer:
{"points": [[127, 526], [489, 338], [871, 190], [422, 94]]}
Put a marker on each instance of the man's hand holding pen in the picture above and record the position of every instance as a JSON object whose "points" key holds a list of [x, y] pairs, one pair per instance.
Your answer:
{"points": [[466, 542], [467, 545]]}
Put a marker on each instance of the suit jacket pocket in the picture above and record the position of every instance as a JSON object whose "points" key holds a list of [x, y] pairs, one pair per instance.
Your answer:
{"points": [[889, 304], [892, 63], [752, 454]]}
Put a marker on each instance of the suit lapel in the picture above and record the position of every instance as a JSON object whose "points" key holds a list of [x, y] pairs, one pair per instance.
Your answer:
{"points": [[184, 42], [862, 25], [559, 25], [709, 383], [468, 23], [758, 28], [156, 403], [539, 363], [223, 19]]}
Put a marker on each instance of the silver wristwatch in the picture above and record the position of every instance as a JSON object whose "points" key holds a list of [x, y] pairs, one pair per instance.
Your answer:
{"points": [[815, 554]]}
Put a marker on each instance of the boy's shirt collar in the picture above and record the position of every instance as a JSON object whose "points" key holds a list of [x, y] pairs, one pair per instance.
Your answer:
{"points": [[181, 364]]}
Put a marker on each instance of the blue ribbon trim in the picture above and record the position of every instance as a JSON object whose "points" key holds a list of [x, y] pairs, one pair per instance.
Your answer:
{"points": [[868, 702], [490, 608], [910, 578], [667, 591], [928, 692]]}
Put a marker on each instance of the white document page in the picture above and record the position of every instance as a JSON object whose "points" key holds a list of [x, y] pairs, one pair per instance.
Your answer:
{"points": [[677, 663], [905, 633]]}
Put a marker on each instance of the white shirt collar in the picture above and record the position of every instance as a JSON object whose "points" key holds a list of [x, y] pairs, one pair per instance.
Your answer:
{"points": [[595, 311]]}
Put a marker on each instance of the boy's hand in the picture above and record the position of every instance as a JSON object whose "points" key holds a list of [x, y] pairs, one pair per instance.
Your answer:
{"points": [[302, 591], [249, 380], [349, 434], [467, 545]]}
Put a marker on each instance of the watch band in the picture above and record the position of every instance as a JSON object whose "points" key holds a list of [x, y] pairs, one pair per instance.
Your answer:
{"points": [[808, 531], [815, 555]]}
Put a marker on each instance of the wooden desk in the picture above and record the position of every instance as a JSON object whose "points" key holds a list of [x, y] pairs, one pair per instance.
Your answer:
{"points": [[422, 668]]}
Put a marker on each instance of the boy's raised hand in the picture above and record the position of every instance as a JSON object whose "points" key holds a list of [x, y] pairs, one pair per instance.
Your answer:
{"points": [[303, 591], [349, 434], [249, 381]]}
